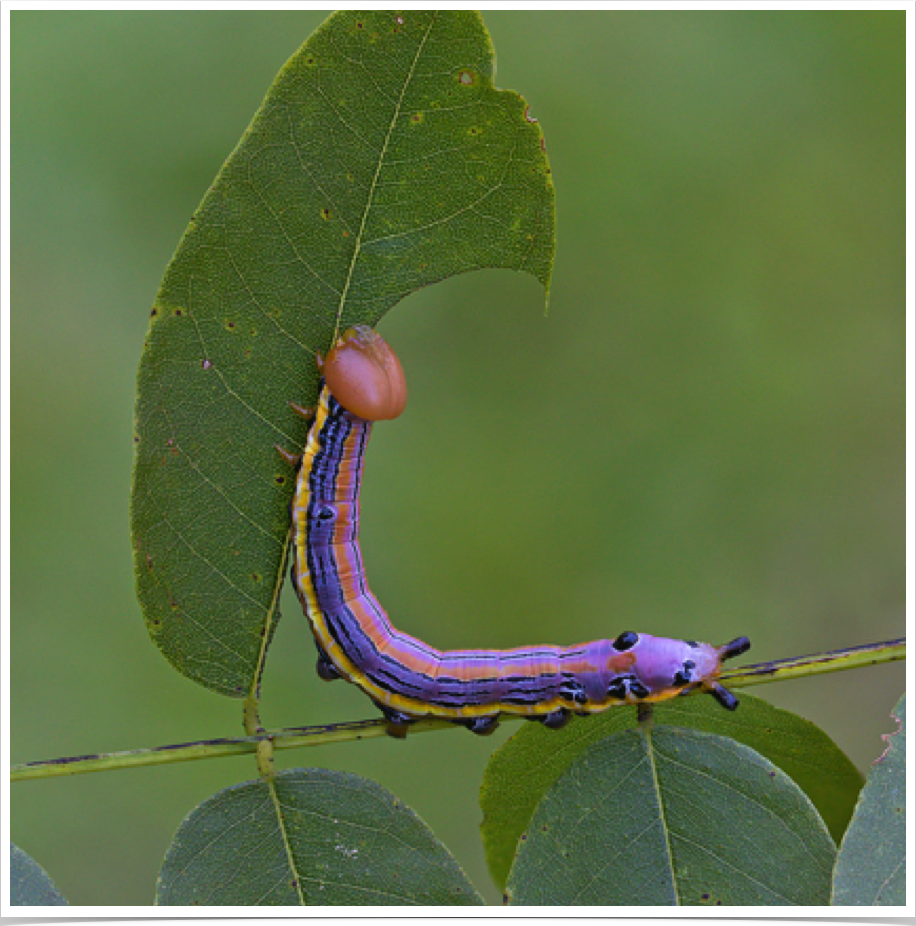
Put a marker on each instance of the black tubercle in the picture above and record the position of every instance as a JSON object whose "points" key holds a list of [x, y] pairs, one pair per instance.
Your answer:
{"points": [[626, 640], [618, 688], [572, 690], [638, 690], [685, 675], [625, 685]]}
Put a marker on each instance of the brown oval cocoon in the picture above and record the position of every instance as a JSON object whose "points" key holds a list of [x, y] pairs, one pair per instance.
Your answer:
{"points": [[364, 374]]}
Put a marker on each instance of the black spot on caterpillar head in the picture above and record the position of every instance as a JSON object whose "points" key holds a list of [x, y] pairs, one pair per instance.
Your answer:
{"points": [[627, 640], [685, 675]]}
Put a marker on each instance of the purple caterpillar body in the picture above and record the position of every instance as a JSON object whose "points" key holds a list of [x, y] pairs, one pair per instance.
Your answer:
{"points": [[409, 679]]}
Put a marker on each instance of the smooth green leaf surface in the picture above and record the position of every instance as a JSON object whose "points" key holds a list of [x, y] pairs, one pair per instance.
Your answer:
{"points": [[30, 885], [520, 772], [673, 817], [312, 837], [871, 865], [382, 160]]}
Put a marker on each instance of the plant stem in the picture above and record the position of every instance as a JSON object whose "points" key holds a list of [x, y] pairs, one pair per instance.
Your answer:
{"points": [[291, 738], [853, 657]]}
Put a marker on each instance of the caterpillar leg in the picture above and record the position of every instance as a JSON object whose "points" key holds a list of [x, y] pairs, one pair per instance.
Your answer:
{"points": [[326, 669], [397, 723], [303, 411], [482, 726], [555, 719], [294, 459]]}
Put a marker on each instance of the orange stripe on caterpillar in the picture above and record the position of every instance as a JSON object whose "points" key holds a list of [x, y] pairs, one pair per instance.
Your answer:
{"points": [[405, 677]]}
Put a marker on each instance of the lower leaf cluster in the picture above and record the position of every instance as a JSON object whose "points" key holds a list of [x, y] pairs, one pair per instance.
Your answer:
{"points": [[694, 807]]}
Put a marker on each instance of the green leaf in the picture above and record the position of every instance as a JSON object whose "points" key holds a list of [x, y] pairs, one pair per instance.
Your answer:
{"points": [[521, 771], [871, 866], [382, 160], [311, 837], [673, 817], [30, 885]]}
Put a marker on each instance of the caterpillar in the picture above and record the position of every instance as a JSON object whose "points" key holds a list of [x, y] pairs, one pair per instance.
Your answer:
{"points": [[405, 677]]}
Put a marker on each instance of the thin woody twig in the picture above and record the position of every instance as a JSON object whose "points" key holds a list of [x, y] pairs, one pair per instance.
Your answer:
{"points": [[295, 737]]}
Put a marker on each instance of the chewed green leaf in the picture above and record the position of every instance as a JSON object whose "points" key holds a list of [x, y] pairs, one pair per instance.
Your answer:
{"points": [[673, 817], [871, 866], [312, 837], [382, 160]]}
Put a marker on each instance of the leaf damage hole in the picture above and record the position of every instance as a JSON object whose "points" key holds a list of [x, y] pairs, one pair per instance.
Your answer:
{"points": [[467, 77], [887, 737], [528, 116], [206, 364]]}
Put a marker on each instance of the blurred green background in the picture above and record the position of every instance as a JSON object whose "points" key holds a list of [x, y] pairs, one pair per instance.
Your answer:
{"points": [[703, 438]]}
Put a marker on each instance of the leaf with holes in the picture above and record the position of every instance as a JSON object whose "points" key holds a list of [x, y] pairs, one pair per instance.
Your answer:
{"points": [[310, 837], [383, 159]]}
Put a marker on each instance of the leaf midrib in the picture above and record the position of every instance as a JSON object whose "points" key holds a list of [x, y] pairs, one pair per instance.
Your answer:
{"points": [[357, 247], [268, 620], [662, 814]]}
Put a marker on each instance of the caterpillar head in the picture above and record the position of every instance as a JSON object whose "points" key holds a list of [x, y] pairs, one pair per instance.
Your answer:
{"points": [[663, 667], [364, 374]]}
